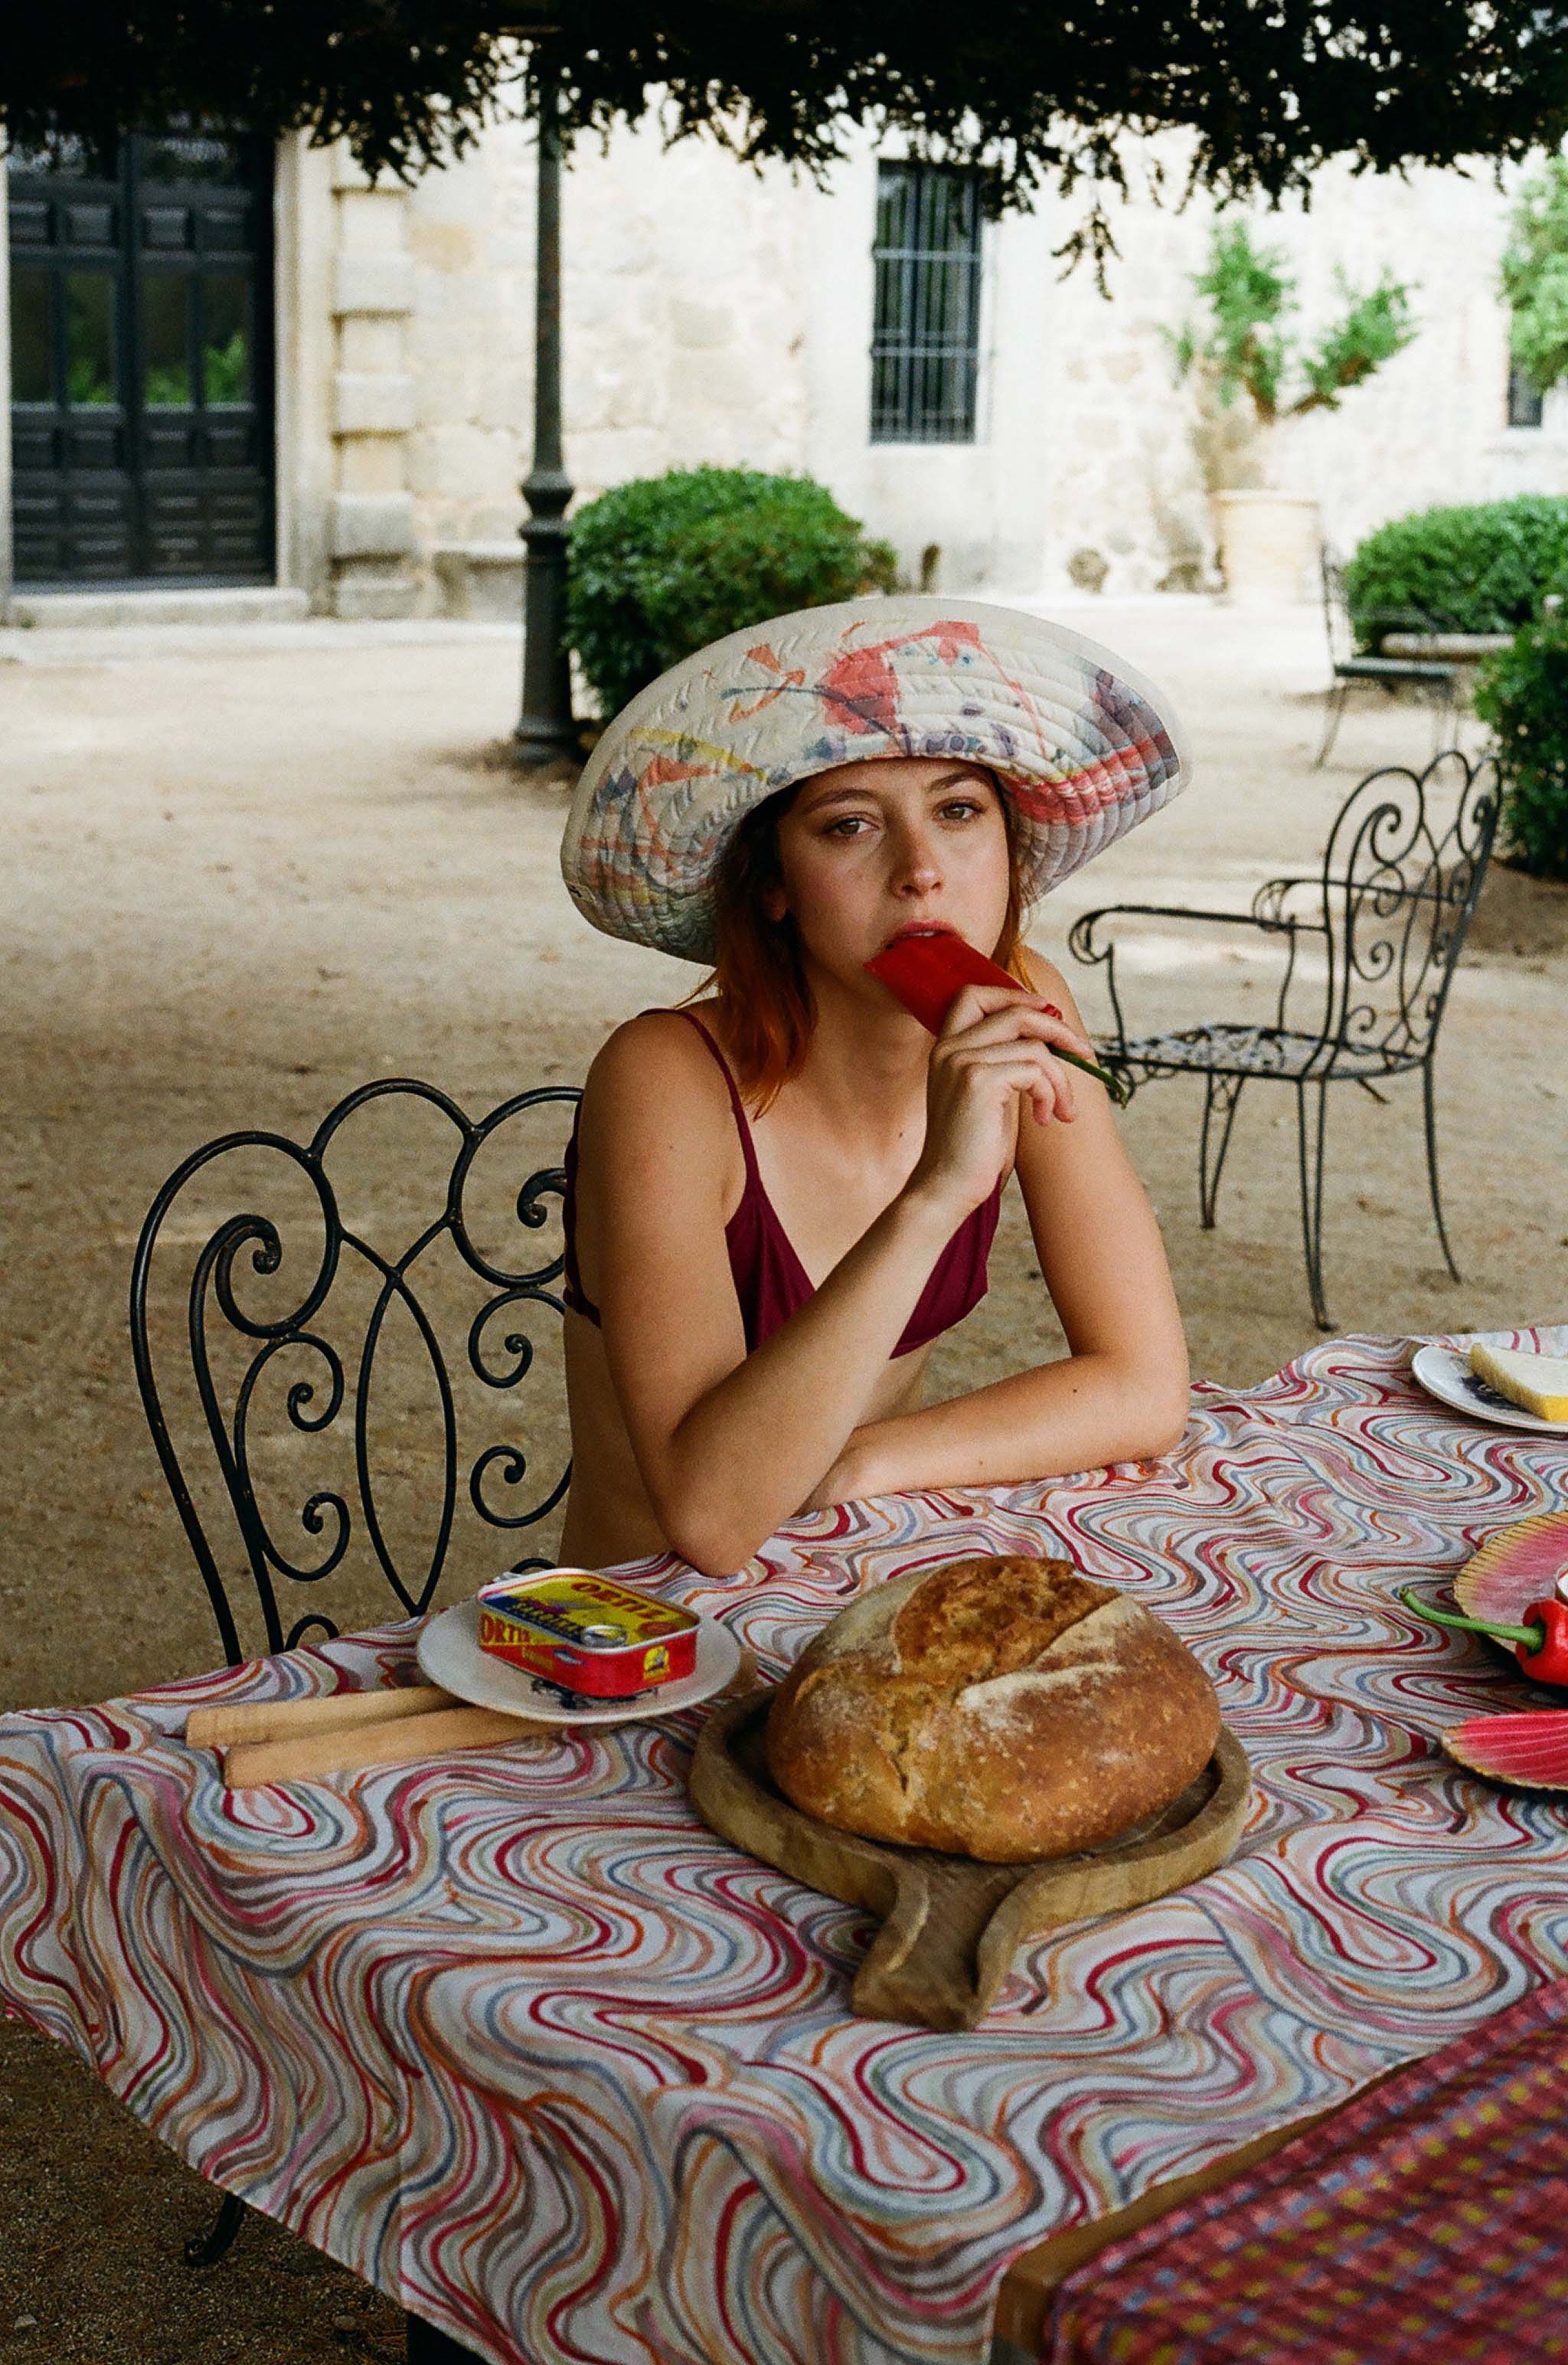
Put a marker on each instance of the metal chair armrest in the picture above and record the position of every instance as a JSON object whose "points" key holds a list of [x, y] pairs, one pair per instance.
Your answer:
{"points": [[1084, 946], [1081, 941], [1270, 905]]}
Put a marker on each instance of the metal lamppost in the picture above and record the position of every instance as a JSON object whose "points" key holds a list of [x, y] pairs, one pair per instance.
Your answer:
{"points": [[546, 729]]}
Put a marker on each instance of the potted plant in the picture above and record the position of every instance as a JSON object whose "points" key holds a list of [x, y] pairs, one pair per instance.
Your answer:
{"points": [[1253, 373]]}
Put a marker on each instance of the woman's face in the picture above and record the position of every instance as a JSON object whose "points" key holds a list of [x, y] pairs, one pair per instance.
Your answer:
{"points": [[874, 848]]}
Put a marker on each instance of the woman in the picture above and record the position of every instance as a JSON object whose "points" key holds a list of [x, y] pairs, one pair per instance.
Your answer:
{"points": [[782, 1191]]}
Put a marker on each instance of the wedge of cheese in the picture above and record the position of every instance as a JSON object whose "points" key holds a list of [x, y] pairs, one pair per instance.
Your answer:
{"points": [[1537, 1384]]}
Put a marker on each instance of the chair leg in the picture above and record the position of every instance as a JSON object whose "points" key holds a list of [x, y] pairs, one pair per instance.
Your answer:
{"points": [[1336, 697], [1310, 1121], [427, 2346], [214, 2241], [1221, 1094], [1432, 1170]]}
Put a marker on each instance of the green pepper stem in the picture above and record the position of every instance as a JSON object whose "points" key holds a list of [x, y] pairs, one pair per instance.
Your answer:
{"points": [[1115, 1085], [1534, 1637]]}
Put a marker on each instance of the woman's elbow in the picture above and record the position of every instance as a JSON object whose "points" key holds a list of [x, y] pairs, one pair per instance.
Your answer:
{"points": [[1163, 1422], [708, 1537], [1147, 1410], [714, 1555]]}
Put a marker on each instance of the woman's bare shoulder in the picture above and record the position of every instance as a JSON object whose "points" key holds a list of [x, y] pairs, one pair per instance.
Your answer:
{"points": [[656, 1045], [652, 1076], [1047, 979]]}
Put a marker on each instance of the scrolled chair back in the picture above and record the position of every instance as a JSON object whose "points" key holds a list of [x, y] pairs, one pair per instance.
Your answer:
{"points": [[289, 1306], [1401, 875]]}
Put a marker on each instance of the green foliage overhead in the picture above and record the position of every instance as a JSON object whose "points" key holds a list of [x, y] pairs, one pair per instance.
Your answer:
{"points": [[1535, 276], [664, 565], [1523, 693], [1245, 348], [1485, 568], [1268, 93]]}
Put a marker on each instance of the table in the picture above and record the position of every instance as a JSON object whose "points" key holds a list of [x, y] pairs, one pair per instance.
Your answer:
{"points": [[522, 2044]]}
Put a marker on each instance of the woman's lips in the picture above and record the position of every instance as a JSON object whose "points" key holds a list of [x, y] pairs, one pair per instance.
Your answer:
{"points": [[921, 928]]}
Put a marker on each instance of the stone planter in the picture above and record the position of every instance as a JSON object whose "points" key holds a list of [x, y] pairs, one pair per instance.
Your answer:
{"points": [[1267, 544]]}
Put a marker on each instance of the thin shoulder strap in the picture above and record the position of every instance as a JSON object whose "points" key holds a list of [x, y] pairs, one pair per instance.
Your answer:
{"points": [[742, 1127]]}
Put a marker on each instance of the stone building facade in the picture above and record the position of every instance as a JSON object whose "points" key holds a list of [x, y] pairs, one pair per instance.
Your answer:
{"points": [[710, 313]]}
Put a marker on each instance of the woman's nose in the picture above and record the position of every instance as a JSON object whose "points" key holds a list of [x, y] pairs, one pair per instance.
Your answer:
{"points": [[917, 870]]}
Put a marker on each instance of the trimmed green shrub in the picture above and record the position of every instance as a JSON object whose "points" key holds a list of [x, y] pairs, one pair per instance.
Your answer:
{"points": [[664, 565], [1523, 693], [1482, 569]]}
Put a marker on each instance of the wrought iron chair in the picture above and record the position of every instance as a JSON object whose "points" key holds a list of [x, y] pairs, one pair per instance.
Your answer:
{"points": [[342, 1345], [1428, 676], [1387, 915]]}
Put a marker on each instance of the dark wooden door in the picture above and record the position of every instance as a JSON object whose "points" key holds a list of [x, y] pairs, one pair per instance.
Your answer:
{"points": [[141, 365]]}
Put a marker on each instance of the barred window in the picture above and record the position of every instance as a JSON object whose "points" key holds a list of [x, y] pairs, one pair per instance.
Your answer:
{"points": [[1524, 405], [925, 338]]}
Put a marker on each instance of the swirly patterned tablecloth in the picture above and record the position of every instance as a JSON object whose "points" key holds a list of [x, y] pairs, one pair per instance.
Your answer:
{"points": [[520, 2042]]}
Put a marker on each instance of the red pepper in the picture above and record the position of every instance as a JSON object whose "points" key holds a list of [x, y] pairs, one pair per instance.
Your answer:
{"points": [[1540, 1647], [926, 974]]}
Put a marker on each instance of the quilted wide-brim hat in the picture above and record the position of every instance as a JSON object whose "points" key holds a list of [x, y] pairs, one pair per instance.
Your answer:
{"points": [[1084, 747]]}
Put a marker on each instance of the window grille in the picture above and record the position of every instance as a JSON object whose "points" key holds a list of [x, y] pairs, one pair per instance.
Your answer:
{"points": [[925, 338], [1524, 403]]}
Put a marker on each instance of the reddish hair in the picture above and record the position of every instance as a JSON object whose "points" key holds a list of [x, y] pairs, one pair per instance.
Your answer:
{"points": [[765, 1012]]}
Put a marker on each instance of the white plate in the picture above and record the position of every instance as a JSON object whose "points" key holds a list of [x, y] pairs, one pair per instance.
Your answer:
{"points": [[1447, 1377], [450, 1656]]}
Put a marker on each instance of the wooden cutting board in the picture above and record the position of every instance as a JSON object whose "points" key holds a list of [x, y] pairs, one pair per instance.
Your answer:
{"points": [[949, 1924]]}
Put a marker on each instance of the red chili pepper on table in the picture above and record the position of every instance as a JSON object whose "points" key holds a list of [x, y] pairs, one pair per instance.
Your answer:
{"points": [[926, 974], [1541, 1646]]}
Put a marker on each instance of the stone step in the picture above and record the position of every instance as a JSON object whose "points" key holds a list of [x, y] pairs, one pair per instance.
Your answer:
{"points": [[261, 604]]}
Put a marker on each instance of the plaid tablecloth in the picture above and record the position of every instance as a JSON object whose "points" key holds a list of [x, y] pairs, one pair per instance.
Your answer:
{"points": [[522, 2044], [1426, 2224]]}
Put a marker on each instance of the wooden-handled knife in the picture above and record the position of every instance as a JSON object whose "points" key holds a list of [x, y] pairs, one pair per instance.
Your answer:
{"points": [[338, 1732]]}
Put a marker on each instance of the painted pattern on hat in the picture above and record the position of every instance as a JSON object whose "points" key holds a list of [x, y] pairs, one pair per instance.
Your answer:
{"points": [[1083, 746]]}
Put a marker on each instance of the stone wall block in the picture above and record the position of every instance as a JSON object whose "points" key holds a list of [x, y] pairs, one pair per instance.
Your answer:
{"points": [[505, 402], [456, 458], [374, 464], [373, 403], [372, 344], [372, 525], [372, 597], [373, 520], [701, 326], [481, 580], [445, 246], [373, 283]]}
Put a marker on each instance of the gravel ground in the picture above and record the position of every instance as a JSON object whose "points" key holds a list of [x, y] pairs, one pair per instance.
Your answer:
{"points": [[255, 870]]}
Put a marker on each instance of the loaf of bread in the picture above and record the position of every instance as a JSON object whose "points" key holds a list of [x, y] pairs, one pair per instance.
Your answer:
{"points": [[1006, 1709]]}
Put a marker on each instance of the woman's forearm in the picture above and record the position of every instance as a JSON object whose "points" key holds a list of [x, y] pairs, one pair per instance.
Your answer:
{"points": [[1077, 1414], [750, 1451]]}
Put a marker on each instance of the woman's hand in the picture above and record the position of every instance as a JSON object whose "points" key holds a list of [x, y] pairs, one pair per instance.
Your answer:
{"points": [[994, 1045]]}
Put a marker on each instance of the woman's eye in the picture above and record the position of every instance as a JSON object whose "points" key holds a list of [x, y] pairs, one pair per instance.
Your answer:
{"points": [[962, 805], [850, 826]]}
